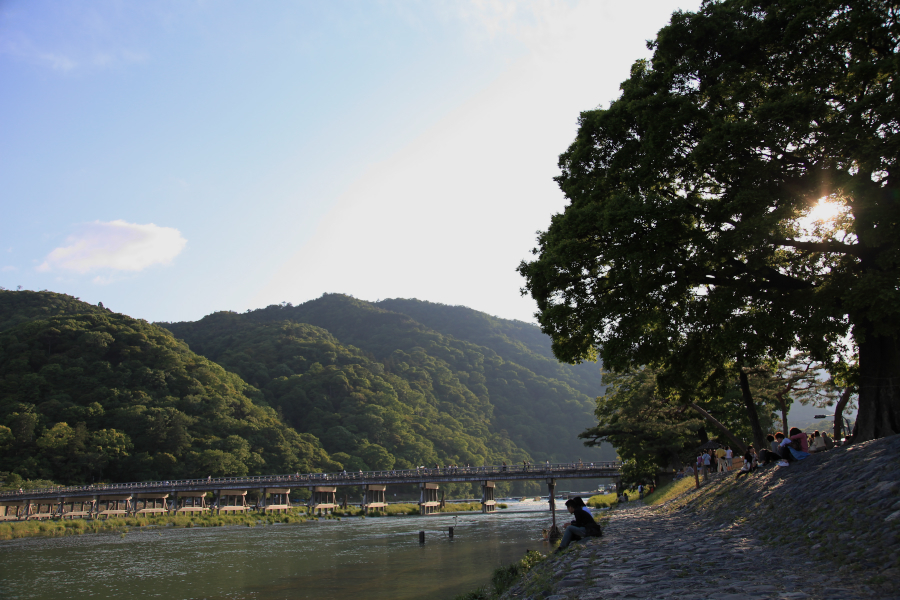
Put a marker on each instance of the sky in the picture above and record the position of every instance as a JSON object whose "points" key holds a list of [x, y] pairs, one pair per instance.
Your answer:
{"points": [[175, 158]]}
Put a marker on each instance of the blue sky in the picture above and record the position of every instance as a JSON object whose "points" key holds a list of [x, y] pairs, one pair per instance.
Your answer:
{"points": [[171, 159]]}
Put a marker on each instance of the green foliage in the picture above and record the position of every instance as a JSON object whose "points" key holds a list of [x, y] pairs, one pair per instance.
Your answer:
{"points": [[609, 500], [516, 341], [88, 394], [684, 239], [382, 390], [97, 395], [669, 490], [648, 429], [58, 527], [652, 429], [21, 307]]}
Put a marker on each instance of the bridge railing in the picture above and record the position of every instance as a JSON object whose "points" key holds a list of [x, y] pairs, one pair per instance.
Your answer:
{"points": [[306, 479]]}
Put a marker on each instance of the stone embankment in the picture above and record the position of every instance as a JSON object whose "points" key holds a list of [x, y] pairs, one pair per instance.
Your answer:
{"points": [[824, 528]]}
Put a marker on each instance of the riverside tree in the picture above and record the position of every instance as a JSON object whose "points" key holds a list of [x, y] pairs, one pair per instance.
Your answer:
{"points": [[690, 233]]}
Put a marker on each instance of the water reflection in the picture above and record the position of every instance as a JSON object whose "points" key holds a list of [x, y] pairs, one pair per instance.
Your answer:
{"points": [[375, 558]]}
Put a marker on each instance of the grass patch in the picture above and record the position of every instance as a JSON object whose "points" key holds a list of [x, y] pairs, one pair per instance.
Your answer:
{"points": [[11, 530], [58, 527], [609, 500], [667, 491]]}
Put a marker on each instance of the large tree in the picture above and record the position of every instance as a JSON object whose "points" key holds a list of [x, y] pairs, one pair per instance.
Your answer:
{"points": [[686, 228]]}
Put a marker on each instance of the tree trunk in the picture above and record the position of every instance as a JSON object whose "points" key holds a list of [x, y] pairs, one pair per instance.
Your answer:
{"points": [[758, 438], [701, 433], [879, 387], [739, 445], [784, 412], [839, 413]]}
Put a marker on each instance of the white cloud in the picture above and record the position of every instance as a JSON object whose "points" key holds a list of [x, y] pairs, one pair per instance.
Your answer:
{"points": [[9, 269], [115, 245]]}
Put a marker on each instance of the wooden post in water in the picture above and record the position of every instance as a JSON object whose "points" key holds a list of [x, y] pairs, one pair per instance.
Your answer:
{"points": [[554, 531], [421, 537]]}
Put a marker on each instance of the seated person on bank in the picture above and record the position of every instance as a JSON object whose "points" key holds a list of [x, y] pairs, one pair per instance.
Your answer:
{"points": [[789, 450], [583, 526], [773, 455], [818, 444]]}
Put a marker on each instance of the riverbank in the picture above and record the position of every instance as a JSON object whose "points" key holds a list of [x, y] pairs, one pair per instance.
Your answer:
{"points": [[11, 530], [827, 527]]}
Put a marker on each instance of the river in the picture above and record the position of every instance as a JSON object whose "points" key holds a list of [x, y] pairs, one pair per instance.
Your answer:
{"points": [[371, 558]]}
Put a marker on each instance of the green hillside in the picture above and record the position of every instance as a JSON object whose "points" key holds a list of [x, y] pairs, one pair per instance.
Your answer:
{"points": [[469, 402], [370, 417], [87, 394], [522, 343], [20, 307]]}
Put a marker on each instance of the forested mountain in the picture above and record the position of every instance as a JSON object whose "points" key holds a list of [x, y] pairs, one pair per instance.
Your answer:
{"points": [[20, 307], [464, 400], [87, 394], [521, 343]]}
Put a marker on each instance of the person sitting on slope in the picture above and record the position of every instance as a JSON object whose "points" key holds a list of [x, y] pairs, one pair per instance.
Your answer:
{"points": [[583, 526]]}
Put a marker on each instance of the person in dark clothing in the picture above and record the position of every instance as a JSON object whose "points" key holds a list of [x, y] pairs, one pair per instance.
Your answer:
{"points": [[583, 526], [769, 456], [748, 461]]}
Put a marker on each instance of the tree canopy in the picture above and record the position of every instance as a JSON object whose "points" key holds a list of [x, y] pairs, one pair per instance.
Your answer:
{"points": [[688, 239]]}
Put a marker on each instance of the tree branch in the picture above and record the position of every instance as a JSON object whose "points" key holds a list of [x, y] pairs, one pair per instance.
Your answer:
{"points": [[737, 443], [827, 246]]}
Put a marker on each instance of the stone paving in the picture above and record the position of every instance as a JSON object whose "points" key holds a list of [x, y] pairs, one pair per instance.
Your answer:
{"points": [[650, 554]]}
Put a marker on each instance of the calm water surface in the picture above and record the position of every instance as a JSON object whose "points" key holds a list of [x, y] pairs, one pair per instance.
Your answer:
{"points": [[372, 558]]}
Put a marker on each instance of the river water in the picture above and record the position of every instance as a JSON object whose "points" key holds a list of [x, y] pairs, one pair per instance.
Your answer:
{"points": [[371, 558]]}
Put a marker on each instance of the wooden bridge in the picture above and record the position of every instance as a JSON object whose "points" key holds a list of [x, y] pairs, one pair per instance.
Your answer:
{"points": [[230, 493]]}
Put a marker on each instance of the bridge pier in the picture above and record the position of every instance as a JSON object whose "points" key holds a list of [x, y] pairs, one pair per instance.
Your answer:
{"points": [[118, 505], [428, 500], [44, 509], [14, 510], [82, 507], [231, 501], [374, 497], [280, 501], [190, 502], [488, 504], [322, 498], [150, 504]]}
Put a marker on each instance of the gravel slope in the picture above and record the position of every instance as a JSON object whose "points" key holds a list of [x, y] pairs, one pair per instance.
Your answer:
{"points": [[825, 528]]}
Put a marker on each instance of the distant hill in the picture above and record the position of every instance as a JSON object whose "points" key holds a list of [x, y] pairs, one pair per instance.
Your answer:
{"points": [[522, 343], [468, 401], [20, 307], [87, 394]]}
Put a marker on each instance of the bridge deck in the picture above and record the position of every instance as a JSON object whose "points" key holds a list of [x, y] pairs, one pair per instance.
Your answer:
{"points": [[401, 477]]}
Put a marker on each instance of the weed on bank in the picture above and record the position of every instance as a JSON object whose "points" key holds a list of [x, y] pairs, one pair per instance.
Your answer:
{"points": [[58, 527], [11, 530]]}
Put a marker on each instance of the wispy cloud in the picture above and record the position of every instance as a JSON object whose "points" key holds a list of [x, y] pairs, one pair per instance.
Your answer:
{"points": [[116, 246], [9, 269]]}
